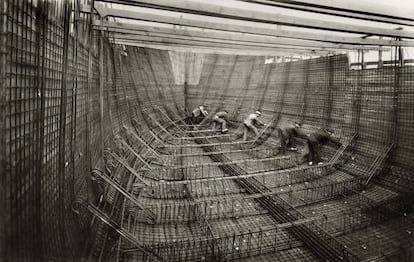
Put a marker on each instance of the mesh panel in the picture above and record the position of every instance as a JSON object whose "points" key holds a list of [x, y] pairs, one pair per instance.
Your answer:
{"points": [[44, 129]]}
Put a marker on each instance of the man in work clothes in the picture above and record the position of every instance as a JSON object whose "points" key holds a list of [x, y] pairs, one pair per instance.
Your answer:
{"points": [[249, 124], [316, 140], [220, 118], [198, 114], [287, 134]]}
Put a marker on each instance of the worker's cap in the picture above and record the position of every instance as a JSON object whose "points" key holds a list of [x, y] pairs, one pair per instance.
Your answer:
{"points": [[258, 113]]}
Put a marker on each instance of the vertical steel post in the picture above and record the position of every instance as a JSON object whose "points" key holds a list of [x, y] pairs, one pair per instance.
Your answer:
{"points": [[101, 95], [88, 107], [62, 129], [397, 72], [74, 94], [186, 73], [41, 49], [380, 56], [3, 105], [400, 54], [357, 99], [363, 67], [305, 93], [329, 90]]}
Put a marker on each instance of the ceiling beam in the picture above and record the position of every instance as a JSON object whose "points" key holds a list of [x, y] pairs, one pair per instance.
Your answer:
{"points": [[252, 29], [213, 10], [258, 39], [358, 7], [196, 43], [214, 42], [206, 50], [384, 14]]}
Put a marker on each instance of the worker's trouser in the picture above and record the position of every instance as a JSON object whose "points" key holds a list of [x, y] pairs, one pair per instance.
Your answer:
{"points": [[246, 130], [197, 119], [283, 141], [314, 150], [286, 139], [220, 121], [289, 138]]}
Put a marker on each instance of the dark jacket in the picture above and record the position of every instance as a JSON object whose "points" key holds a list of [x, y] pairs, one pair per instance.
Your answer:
{"points": [[322, 138], [295, 132]]}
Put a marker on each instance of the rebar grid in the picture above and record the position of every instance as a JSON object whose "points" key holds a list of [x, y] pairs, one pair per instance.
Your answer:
{"points": [[283, 212]]}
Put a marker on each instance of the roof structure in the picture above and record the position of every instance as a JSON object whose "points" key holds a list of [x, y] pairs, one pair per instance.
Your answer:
{"points": [[259, 27]]}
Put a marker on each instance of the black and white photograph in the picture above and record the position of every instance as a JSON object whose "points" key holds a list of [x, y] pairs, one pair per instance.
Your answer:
{"points": [[206, 130]]}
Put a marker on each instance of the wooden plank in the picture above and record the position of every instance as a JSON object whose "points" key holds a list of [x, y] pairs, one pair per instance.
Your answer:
{"points": [[215, 43], [252, 29], [387, 14], [203, 50], [131, 28], [165, 40], [213, 10], [359, 7]]}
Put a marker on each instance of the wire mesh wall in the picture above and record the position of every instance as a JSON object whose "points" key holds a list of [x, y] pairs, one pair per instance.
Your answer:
{"points": [[375, 94], [320, 92], [44, 90]]}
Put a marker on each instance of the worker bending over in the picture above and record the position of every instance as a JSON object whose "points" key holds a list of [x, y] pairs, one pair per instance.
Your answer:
{"points": [[198, 115], [220, 118], [316, 140], [250, 122], [287, 134]]}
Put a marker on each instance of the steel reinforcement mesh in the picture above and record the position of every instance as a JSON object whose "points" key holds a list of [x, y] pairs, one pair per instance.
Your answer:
{"points": [[44, 94], [320, 92]]}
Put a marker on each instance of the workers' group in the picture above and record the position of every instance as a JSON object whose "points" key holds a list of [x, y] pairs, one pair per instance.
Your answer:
{"points": [[199, 114], [287, 133], [314, 140]]}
